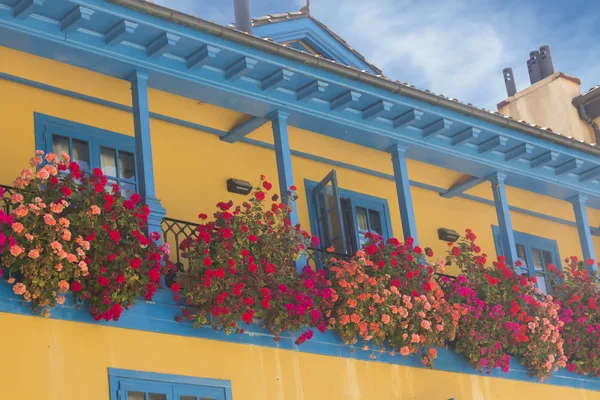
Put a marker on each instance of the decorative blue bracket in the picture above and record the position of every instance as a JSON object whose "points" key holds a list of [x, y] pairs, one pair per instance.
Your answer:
{"points": [[407, 213], [463, 187], [244, 129], [507, 237], [143, 149], [583, 228]]}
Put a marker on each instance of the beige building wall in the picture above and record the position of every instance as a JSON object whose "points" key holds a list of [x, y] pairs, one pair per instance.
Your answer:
{"points": [[547, 103]]}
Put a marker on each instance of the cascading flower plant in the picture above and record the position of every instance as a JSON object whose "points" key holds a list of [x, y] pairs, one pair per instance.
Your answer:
{"points": [[504, 314], [72, 232], [244, 263], [578, 294], [387, 297]]}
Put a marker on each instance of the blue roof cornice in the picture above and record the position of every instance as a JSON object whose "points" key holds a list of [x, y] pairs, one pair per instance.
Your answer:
{"points": [[224, 67]]}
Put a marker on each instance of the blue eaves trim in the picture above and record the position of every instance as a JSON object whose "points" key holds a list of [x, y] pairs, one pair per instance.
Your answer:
{"points": [[159, 316], [171, 385], [308, 156]]}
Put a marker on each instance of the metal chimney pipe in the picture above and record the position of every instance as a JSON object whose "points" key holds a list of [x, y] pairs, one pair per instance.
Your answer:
{"points": [[509, 82], [243, 19], [546, 61], [533, 66]]}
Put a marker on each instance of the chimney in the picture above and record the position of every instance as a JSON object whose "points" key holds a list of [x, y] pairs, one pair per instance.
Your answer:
{"points": [[533, 66], [546, 61], [509, 82], [550, 100], [241, 11]]}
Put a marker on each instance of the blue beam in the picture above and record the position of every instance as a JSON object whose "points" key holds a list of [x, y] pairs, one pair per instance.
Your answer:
{"points": [[24, 8], [244, 129], [437, 128], [544, 159], [119, 32], [276, 79], [408, 118], [495, 143], [240, 68], [161, 45], [311, 90], [75, 18], [465, 136], [202, 57], [463, 187], [589, 174], [344, 101], [376, 110], [407, 213], [507, 237], [518, 152], [143, 149], [568, 166], [583, 228]]}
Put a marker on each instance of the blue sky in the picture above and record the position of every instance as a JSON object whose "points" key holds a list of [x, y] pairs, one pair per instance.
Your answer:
{"points": [[454, 47]]}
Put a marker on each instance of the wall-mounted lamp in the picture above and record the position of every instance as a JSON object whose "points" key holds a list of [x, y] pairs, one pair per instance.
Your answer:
{"points": [[448, 235], [238, 186]]}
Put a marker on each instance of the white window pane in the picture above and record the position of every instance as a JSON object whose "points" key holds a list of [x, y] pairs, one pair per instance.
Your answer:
{"points": [[361, 219], [375, 222], [126, 165], [521, 253], [108, 161], [136, 396], [537, 259], [541, 283], [157, 396], [81, 153], [60, 144], [127, 189], [547, 258]]}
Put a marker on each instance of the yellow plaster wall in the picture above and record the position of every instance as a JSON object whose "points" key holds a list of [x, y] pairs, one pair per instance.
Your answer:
{"points": [[59, 360]]}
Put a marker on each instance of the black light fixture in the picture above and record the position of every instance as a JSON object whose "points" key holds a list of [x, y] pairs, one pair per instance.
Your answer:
{"points": [[238, 186], [448, 235]]}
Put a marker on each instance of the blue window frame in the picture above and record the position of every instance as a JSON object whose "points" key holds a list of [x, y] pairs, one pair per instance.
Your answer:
{"points": [[91, 148], [341, 218], [536, 253], [137, 385]]}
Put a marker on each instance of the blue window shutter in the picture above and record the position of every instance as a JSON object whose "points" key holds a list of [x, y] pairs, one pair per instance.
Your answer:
{"points": [[328, 208]]}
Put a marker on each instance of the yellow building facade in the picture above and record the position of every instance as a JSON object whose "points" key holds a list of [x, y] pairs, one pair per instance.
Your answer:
{"points": [[68, 356]]}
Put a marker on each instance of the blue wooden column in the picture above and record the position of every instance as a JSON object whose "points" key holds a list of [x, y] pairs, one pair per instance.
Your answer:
{"points": [[285, 174], [283, 157], [507, 237], [583, 228], [407, 213], [143, 150]]}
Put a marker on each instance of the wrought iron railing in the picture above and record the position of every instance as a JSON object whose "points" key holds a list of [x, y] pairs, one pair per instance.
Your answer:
{"points": [[5, 200], [318, 258], [445, 281], [175, 231]]}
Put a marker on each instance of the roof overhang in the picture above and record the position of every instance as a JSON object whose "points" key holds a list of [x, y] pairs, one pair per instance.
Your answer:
{"points": [[214, 64]]}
